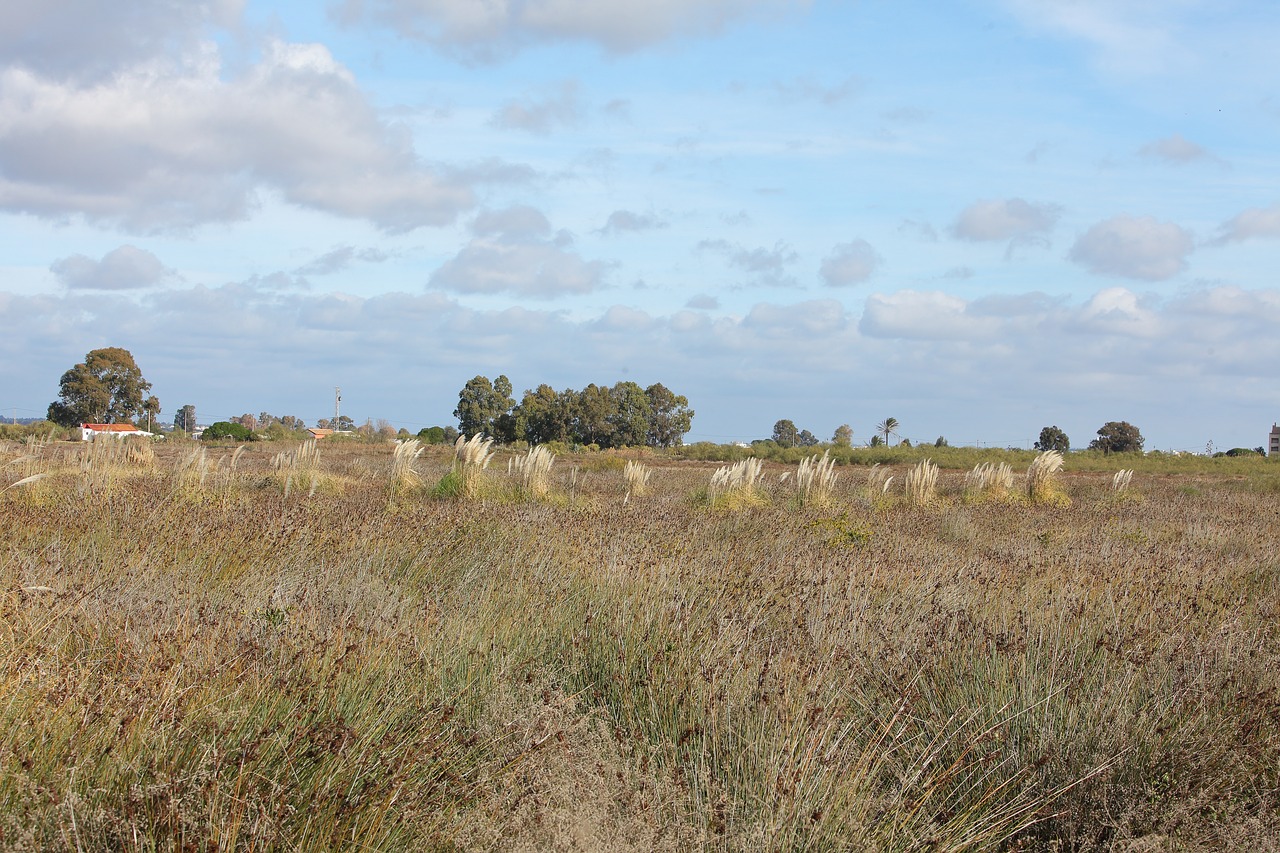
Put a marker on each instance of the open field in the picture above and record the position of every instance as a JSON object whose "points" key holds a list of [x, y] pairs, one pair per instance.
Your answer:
{"points": [[201, 649]]}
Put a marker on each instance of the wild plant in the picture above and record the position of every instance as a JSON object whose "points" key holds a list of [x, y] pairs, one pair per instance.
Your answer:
{"points": [[1041, 485], [403, 476], [471, 456], [301, 464], [192, 468], [816, 479], [636, 475], [989, 478], [921, 483], [1120, 482], [737, 485], [534, 468], [878, 481]]}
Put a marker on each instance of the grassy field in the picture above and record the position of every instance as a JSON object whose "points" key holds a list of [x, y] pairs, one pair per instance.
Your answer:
{"points": [[208, 649]]}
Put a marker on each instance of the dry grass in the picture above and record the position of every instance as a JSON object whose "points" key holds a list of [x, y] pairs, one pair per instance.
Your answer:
{"points": [[989, 479], [233, 672], [403, 476], [636, 475], [921, 483], [816, 479], [736, 486], [1041, 478], [534, 469]]}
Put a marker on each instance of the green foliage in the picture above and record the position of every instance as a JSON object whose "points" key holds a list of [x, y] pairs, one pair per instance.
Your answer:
{"points": [[1053, 438], [226, 429], [481, 403], [1118, 437], [941, 442], [785, 434], [843, 436], [624, 415], [432, 435], [107, 387]]}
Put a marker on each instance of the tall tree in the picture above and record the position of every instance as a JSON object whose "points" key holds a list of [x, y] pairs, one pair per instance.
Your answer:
{"points": [[107, 387], [592, 413], [481, 403], [1118, 437], [843, 436], [785, 433], [887, 428], [1053, 438], [185, 418], [631, 416], [544, 415], [670, 416]]}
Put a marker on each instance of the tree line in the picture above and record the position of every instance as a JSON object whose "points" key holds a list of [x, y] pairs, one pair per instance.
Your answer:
{"points": [[622, 415]]}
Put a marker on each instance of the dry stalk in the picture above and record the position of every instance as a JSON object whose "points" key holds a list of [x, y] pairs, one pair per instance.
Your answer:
{"points": [[1040, 477], [816, 478], [403, 476], [741, 480], [534, 468], [921, 482], [1121, 480], [636, 474], [989, 477]]}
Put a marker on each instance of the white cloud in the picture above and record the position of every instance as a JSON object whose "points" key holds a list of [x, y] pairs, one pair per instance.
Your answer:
{"points": [[1134, 247], [1252, 223], [927, 315], [850, 263], [125, 268], [1118, 311], [339, 259], [515, 252], [622, 221], [543, 115], [767, 267], [1174, 149], [485, 31], [1127, 35], [163, 145], [1005, 219]]}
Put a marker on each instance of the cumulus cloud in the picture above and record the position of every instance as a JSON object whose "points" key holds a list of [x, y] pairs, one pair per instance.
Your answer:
{"points": [[622, 221], [125, 268], [1175, 149], [166, 145], [514, 251], [1134, 247], [808, 89], [1252, 223], [919, 230], [489, 31], [1005, 219], [925, 315], [767, 267], [850, 263], [542, 115]]}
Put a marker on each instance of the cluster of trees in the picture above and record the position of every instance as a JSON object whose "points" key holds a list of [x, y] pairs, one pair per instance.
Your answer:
{"points": [[1113, 437], [624, 415]]}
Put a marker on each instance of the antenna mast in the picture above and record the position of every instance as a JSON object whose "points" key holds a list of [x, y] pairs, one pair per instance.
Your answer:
{"points": [[337, 406]]}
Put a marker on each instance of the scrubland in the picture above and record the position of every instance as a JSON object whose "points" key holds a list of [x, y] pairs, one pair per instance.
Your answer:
{"points": [[351, 648]]}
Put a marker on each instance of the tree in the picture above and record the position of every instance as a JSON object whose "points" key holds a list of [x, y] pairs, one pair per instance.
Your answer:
{"points": [[481, 403], [887, 427], [1052, 438], [107, 387], [185, 419], [591, 416], [151, 408], [631, 416], [1118, 437], [806, 439], [785, 433], [941, 442], [843, 436], [669, 416], [247, 421], [226, 429]]}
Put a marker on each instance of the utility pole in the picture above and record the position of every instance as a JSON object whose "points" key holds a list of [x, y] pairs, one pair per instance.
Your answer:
{"points": [[337, 407]]}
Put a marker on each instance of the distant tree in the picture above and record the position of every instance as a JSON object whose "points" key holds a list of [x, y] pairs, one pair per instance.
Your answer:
{"points": [[887, 428], [669, 416], [631, 416], [806, 439], [290, 422], [876, 441], [247, 421], [150, 410], [1244, 451], [544, 415], [107, 387], [785, 433], [906, 442], [1052, 438], [450, 435], [344, 424], [1118, 437], [324, 423], [941, 442], [843, 436], [226, 429], [481, 403], [432, 435], [185, 418], [591, 412]]}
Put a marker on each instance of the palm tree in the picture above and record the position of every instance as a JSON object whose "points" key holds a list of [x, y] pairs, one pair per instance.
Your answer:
{"points": [[887, 427]]}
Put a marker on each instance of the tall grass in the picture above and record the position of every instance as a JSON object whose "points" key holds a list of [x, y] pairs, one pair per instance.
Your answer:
{"points": [[737, 485], [236, 674], [1041, 478], [921, 483], [991, 479], [636, 476], [403, 476], [816, 479], [471, 456]]}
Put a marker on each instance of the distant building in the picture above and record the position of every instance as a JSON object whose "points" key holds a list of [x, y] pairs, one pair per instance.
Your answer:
{"points": [[1273, 447], [318, 433], [90, 432]]}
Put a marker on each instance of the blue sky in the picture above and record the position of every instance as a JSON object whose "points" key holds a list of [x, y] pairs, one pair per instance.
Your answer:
{"points": [[979, 217]]}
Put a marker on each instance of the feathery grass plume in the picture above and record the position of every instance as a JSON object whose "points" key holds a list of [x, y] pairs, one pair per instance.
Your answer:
{"points": [[921, 482], [470, 457], [1121, 480], [989, 478], [534, 468], [193, 467], [737, 485], [636, 475], [878, 480], [816, 478], [1041, 487], [25, 481], [302, 463], [403, 477]]}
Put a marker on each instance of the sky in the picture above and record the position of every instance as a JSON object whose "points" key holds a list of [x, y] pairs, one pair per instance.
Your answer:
{"points": [[979, 217]]}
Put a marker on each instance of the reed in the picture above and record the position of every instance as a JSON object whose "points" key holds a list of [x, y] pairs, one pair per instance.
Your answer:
{"points": [[816, 479], [1041, 478], [921, 483]]}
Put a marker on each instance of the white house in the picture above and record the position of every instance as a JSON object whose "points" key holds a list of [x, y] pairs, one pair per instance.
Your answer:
{"points": [[89, 432]]}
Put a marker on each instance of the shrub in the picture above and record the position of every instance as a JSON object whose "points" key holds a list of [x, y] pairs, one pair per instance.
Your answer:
{"points": [[226, 429]]}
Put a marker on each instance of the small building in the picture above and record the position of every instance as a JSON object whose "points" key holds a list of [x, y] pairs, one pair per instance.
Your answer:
{"points": [[90, 432], [318, 433], [1273, 446]]}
